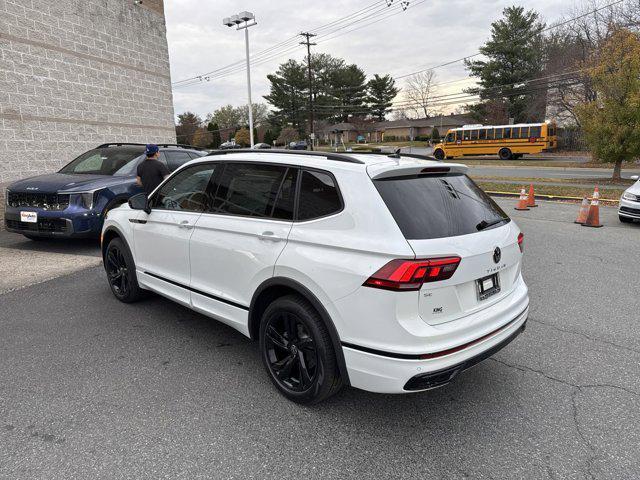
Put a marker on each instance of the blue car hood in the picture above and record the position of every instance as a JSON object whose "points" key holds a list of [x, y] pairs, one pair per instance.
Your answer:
{"points": [[67, 183]]}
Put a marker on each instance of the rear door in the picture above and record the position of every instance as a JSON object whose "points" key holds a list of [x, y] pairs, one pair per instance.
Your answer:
{"points": [[161, 238], [448, 215], [237, 241], [175, 159]]}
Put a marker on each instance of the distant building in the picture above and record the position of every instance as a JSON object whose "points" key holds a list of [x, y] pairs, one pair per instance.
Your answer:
{"points": [[410, 129], [77, 73], [400, 130]]}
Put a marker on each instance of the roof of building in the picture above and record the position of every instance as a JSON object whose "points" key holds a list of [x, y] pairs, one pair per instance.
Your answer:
{"points": [[438, 120]]}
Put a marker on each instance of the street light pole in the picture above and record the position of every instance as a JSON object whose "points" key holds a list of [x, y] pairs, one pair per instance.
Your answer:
{"points": [[237, 21], [246, 42]]}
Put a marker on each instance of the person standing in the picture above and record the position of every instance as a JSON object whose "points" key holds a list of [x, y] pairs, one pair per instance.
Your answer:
{"points": [[151, 171]]}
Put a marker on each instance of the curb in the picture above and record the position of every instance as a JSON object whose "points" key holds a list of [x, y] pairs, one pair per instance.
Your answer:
{"points": [[547, 197]]}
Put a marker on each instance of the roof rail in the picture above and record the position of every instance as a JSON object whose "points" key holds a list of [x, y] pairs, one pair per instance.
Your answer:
{"points": [[397, 155], [328, 155], [163, 145]]}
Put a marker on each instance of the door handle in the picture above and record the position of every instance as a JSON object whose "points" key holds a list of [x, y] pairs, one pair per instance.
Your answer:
{"points": [[269, 237], [185, 224]]}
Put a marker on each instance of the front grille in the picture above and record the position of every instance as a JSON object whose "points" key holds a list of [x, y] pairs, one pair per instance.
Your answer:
{"points": [[48, 225], [632, 211], [45, 201]]}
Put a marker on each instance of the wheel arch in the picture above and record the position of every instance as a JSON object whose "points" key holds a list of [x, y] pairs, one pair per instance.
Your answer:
{"points": [[109, 234], [276, 287]]}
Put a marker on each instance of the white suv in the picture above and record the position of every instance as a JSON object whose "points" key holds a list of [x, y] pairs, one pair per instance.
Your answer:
{"points": [[629, 209], [387, 273]]}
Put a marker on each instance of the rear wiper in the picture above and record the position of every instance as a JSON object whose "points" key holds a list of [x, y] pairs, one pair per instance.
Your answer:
{"points": [[484, 224]]}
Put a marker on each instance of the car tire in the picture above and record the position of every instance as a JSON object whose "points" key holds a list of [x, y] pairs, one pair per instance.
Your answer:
{"points": [[505, 154], [297, 351], [439, 154], [625, 219], [121, 272]]}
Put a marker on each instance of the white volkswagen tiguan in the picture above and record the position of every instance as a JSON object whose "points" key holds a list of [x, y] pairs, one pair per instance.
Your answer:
{"points": [[388, 273]]}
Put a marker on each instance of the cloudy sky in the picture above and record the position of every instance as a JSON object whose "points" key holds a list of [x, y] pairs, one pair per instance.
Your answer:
{"points": [[379, 39]]}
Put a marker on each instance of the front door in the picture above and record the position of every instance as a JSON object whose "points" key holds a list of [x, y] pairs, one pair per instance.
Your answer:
{"points": [[161, 238], [236, 243]]}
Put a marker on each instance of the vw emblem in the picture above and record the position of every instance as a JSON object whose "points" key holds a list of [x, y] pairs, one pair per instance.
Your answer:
{"points": [[497, 254]]}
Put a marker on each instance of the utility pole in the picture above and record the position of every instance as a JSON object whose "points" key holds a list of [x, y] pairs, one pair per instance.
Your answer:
{"points": [[308, 43]]}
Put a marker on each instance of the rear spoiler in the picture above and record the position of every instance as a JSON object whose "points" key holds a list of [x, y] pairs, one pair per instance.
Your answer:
{"points": [[386, 170]]}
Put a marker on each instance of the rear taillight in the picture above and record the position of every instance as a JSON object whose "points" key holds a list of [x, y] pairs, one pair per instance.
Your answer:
{"points": [[408, 275], [521, 242]]}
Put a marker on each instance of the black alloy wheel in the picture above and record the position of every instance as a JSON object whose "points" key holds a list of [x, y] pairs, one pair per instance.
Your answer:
{"points": [[297, 351], [120, 269], [291, 352]]}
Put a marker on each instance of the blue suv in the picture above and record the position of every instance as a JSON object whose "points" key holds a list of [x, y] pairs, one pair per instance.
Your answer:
{"points": [[74, 201]]}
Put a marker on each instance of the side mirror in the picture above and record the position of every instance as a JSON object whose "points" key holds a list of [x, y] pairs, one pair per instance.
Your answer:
{"points": [[634, 177], [140, 202]]}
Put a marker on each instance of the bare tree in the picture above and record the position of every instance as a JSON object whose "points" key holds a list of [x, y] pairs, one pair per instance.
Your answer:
{"points": [[570, 47], [420, 90]]}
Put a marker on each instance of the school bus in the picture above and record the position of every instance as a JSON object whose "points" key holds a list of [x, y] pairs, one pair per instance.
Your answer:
{"points": [[509, 142]]}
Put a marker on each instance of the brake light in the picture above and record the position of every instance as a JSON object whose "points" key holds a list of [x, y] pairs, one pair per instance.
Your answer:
{"points": [[521, 242], [409, 275]]}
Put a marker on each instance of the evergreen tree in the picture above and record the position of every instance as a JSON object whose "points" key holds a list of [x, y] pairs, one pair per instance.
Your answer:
{"points": [[514, 55], [381, 92], [214, 135], [435, 135]]}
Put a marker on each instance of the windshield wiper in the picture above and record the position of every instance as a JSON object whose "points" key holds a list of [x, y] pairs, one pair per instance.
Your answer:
{"points": [[484, 224]]}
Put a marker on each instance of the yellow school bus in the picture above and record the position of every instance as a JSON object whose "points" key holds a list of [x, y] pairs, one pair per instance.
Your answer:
{"points": [[509, 142]]}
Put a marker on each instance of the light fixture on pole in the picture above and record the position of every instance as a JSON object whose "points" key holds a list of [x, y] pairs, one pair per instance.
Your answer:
{"points": [[243, 21]]}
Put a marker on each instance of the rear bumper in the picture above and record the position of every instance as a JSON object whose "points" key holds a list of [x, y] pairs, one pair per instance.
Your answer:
{"points": [[381, 373]]}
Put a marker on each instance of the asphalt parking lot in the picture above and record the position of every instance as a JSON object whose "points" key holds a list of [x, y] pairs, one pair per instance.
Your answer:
{"points": [[91, 388]]}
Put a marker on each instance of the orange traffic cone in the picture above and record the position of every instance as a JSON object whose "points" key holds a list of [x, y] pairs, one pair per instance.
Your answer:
{"points": [[593, 218], [522, 203], [531, 199], [584, 211]]}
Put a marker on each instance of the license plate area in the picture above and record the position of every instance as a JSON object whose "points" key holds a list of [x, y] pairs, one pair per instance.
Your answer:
{"points": [[488, 286], [29, 217]]}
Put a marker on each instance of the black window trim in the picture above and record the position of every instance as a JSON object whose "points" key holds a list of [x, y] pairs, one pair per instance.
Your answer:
{"points": [[338, 191], [154, 194], [214, 183]]}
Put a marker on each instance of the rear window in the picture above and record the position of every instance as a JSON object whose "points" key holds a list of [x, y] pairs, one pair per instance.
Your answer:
{"points": [[427, 206]]}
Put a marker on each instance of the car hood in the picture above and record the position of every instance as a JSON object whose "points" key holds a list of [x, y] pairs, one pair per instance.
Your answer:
{"points": [[635, 188], [65, 182]]}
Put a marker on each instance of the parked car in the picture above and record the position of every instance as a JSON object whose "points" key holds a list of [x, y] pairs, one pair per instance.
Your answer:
{"points": [[391, 275], [261, 146], [230, 145], [629, 209], [74, 201], [299, 145]]}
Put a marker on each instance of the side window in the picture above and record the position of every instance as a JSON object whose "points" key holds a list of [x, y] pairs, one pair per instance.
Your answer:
{"points": [[507, 133], [466, 134], [450, 137], [483, 134], [499, 134], [186, 191], [536, 132], [319, 195], [251, 190], [194, 155], [474, 134], [176, 159], [515, 132], [490, 133]]}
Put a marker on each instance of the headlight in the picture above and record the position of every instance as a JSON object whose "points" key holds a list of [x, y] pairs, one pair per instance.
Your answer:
{"points": [[629, 196], [84, 200]]}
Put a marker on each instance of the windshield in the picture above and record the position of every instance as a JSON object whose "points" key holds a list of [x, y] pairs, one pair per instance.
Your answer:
{"points": [[104, 161], [427, 206]]}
